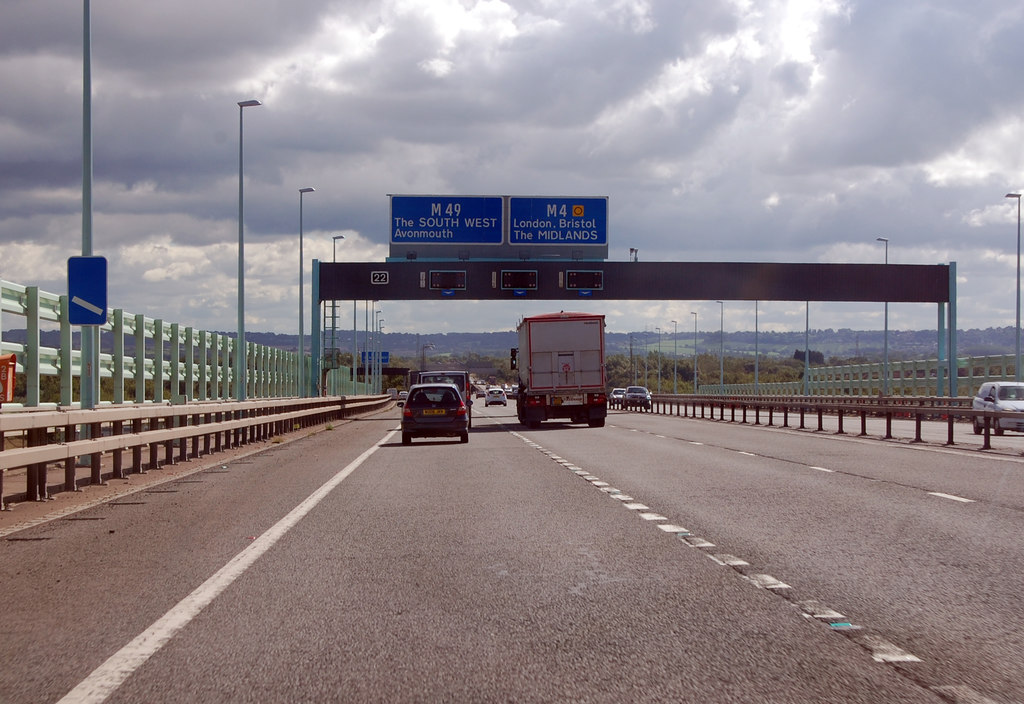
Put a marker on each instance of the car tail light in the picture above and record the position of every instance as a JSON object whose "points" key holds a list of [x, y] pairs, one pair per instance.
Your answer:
{"points": [[407, 412], [462, 410]]}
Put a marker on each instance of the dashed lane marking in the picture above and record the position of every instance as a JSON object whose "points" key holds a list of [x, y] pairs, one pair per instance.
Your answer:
{"points": [[951, 497]]}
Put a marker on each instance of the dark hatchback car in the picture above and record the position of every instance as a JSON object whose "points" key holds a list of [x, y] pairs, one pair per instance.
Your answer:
{"points": [[435, 410]]}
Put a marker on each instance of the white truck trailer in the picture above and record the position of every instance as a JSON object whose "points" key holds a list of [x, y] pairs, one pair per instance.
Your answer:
{"points": [[560, 362]]}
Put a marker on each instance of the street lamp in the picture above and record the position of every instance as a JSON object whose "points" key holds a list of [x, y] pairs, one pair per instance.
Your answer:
{"points": [[240, 361], [675, 359], [302, 337], [1016, 359], [885, 334], [334, 303], [659, 359], [694, 314], [721, 347]]}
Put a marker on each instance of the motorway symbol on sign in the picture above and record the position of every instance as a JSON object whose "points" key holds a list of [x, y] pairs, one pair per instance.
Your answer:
{"points": [[87, 290]]}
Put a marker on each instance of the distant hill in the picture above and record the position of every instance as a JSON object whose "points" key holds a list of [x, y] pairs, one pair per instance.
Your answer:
{"points": [[842, 343]]}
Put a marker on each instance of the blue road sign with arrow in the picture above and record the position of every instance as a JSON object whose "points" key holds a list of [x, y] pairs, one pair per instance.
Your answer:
{"points": [[87, 290]]}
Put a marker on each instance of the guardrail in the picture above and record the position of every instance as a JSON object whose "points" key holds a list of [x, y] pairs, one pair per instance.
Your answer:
{"points": [[37, 439], [948, 410], [170, 361]]}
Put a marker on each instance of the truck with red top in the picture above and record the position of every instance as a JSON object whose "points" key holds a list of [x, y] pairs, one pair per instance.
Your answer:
{"points": [[560, 362]]}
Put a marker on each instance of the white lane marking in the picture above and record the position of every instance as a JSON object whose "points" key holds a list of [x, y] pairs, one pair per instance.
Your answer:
{"points": [[961, 694], [951, 497], [659, 436], [823, 469], [600, 483], [653, 517], [636, 506], [884, 651], [731, 560], [694, 442], [106, 678], [695, 542], [766, 581], [818, 610], [670, 528], [748, 454]]}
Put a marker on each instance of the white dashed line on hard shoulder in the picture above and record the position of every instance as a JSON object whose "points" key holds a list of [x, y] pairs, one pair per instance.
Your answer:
{"points": [[879, 648]]}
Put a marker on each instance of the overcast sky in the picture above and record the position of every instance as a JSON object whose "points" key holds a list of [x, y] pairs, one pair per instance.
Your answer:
{"points": [[720, 130]]}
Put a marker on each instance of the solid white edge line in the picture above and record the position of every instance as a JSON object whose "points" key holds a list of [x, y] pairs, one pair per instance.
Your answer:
{"points": [[106, 678]]}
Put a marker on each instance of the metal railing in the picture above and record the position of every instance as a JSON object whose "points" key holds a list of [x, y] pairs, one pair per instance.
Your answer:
{"points": [[119, 436], [753, 409], [169, 362]]}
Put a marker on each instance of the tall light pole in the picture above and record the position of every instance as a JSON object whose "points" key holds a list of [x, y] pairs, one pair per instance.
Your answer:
{"points": [[302, 337], [675, 358], [659, 359], [89, 373], [694, 314], [756, 352], [885, 334], [240, 361], [334, 303], [1016, 359], [721, 347]]}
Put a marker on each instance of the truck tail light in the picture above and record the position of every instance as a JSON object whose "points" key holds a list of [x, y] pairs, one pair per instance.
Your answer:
{"points": [[534, 400], [599, 399]]}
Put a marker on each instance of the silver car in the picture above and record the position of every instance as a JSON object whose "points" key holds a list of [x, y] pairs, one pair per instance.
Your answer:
{"points": [[1000, 396]]}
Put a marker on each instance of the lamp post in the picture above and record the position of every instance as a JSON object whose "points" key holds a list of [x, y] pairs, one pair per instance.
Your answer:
{"points": [[694, 314], [302, 337], [380, 355], [885, 333], [240, 354], [721, 347], [334, 303], [756, 351], [659, 359], [1016, 359], [675, 358]]}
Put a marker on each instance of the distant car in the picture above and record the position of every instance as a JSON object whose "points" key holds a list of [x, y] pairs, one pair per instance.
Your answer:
{"points": [[435, 410], [617, 395], [402, 395], [637, 397], [1000, 396], [496, 395]]}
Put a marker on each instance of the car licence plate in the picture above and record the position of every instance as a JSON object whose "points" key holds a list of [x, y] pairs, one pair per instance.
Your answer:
{"points": [[433, 411]]}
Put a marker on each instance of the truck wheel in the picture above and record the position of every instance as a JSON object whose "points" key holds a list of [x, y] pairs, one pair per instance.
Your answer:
{"points": [[596, 422]]}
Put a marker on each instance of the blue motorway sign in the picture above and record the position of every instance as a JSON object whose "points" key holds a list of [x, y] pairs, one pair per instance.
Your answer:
{"points": [[87, 290], [446, 220], [374, 357], [565, 221]]}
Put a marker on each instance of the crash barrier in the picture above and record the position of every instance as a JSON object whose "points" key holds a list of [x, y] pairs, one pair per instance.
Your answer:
{"points": [[744, 409], [147, 359], [37, 439]]}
